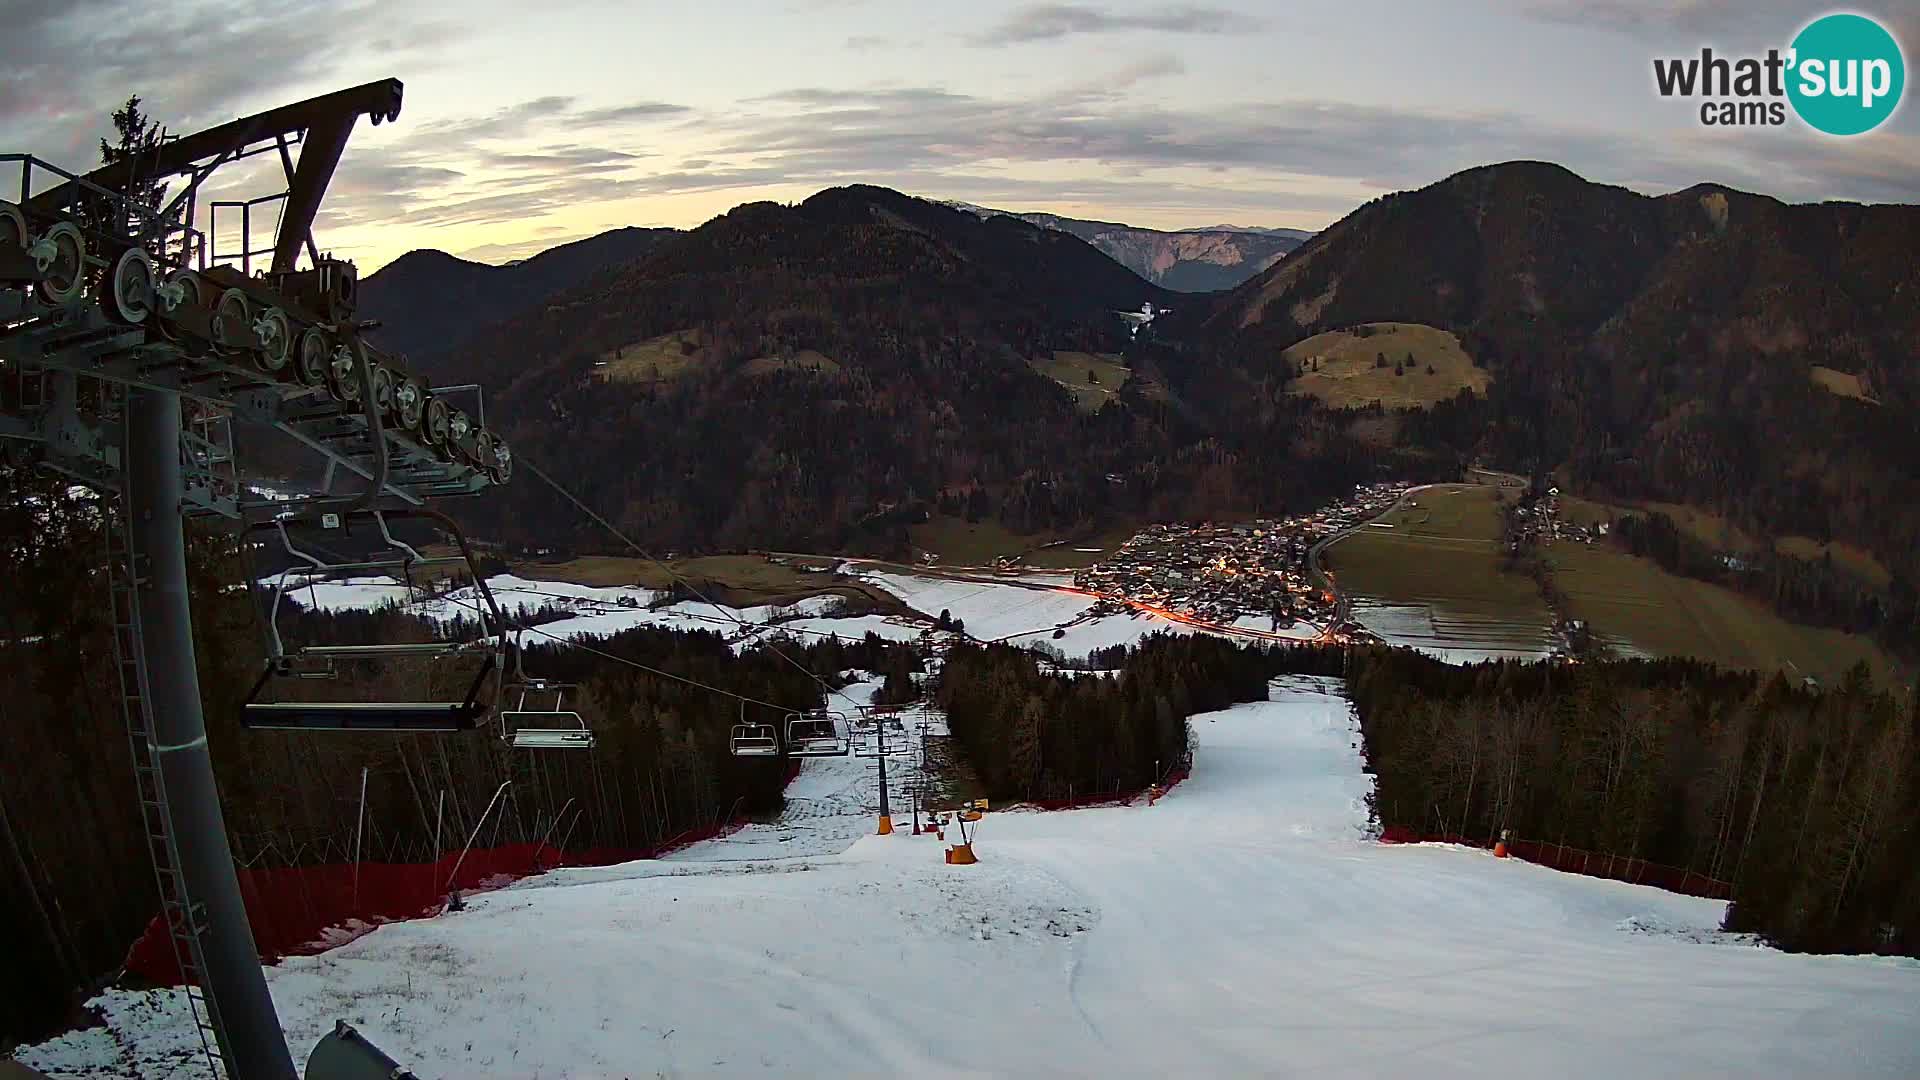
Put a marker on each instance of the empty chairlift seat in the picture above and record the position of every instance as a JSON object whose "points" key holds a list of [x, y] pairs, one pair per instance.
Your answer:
{"points": [[754, 740], [424, 716], [817, 734], [558, 728], [380, 553], [361, 716]]}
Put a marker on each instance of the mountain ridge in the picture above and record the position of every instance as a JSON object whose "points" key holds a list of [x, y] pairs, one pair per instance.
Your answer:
{"points": [[1185, 260], [1656, 346]]}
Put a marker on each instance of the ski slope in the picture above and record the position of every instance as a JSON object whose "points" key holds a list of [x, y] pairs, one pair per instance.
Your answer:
{"points": [[1244, 926]]}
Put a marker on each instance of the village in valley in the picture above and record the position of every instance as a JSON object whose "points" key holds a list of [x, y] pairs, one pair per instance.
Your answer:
{"points": [[1255, 575]]}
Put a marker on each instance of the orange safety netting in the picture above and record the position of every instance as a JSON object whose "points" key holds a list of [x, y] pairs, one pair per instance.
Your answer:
{"points": [[1579, 861]]}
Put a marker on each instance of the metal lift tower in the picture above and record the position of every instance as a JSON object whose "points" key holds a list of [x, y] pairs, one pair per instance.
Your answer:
{"points": [[129, 346]]}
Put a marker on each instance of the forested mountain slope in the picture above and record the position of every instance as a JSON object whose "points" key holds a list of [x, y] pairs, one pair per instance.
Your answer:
{"points": [[428, 302], [794, 374], [1708, 346]]}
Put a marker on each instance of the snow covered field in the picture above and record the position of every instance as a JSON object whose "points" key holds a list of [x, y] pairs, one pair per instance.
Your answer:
{"points": [[992, 611], [1451, 636], [605, 611], [1244, 926], [1007, 611]]}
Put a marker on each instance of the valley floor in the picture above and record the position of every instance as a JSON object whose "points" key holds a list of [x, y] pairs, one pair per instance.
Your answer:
{"points": [[1246, 925]]}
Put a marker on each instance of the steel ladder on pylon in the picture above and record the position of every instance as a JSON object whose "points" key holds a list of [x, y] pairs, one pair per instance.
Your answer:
{"points": [[183, 916]]}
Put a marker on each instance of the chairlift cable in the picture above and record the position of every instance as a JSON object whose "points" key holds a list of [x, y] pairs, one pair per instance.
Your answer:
{"points": [[577, 644], [608, 525]]}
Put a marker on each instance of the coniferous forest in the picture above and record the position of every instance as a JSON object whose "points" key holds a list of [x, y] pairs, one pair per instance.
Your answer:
{"points": [[76, 887], [1807, 801], [1032, 734]]}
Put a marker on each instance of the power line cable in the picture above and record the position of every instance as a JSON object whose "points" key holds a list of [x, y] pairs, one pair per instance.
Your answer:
{"points": [[609, 526], [577, 644]]}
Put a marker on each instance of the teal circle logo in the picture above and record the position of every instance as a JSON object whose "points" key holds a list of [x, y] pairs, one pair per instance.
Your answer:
{"points": [[1846, 74]]}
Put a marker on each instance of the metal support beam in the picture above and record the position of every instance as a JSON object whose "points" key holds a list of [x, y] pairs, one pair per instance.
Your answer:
{"points": [[375, 99], [252, 1042]]}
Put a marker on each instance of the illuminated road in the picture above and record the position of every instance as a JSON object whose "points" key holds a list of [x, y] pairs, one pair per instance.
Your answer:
{"points": [[985, 576]]}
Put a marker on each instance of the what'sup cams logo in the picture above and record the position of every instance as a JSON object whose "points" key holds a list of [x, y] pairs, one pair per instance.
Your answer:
{"points": [[1842, 75]]}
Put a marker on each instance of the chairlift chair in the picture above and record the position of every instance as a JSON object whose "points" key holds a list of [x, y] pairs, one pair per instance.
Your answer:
{"points": [[817, 733], [557, 728], [322, 662], [753, 740]]}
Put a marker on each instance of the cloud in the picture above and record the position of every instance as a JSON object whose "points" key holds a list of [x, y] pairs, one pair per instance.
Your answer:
{"points": [[492, 168], [1690, 23], [1049, 22], [622, 114], [1298, 161], [63, 67], [817, 136], [868, 42]]}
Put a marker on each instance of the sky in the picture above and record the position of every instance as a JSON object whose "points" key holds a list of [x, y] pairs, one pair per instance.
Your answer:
{"points": [[530, 124]]}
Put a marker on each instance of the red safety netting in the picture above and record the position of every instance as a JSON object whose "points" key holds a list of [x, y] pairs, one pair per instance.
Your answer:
{"points": [[301, 910], [1124, 798], [1579, 861]]}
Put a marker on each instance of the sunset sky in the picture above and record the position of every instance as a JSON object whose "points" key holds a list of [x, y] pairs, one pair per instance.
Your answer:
{"points": [[527, 125]]}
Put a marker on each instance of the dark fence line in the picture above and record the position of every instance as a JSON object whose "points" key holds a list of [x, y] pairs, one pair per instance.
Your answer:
{"points": [[302, 910], [1118, 798], [1574, 860]]}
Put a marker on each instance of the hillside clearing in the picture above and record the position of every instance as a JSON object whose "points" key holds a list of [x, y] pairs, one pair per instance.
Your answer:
{"points": [[728, 579], [1860, 563], [1845, 384], [1638, 608], [1092, 378], [1344, 368], [655, 359], [804, 360], [1431, 578]]}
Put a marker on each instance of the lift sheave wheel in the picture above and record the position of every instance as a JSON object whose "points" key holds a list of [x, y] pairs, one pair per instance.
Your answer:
{"points": [[409, 401], [129, 287], [382, 392], [276, 339], [232, 315], [13, 228], [343, 376], [438, 422], [180, 291], [310, 363], [61, 255]]}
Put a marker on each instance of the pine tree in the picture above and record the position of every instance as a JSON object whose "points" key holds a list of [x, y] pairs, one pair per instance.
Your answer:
{"points": [[136, 141]]}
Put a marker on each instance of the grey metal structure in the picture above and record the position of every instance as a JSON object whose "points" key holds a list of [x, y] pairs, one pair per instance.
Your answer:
{"points": [[129, 346]]}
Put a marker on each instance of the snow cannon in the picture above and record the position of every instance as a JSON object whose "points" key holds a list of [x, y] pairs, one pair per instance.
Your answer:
{"points": [[961, 855], [1500, 846]]}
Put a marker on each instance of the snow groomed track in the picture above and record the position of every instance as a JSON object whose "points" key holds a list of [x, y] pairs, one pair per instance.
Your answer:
{"points": [[1246, 925]]}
